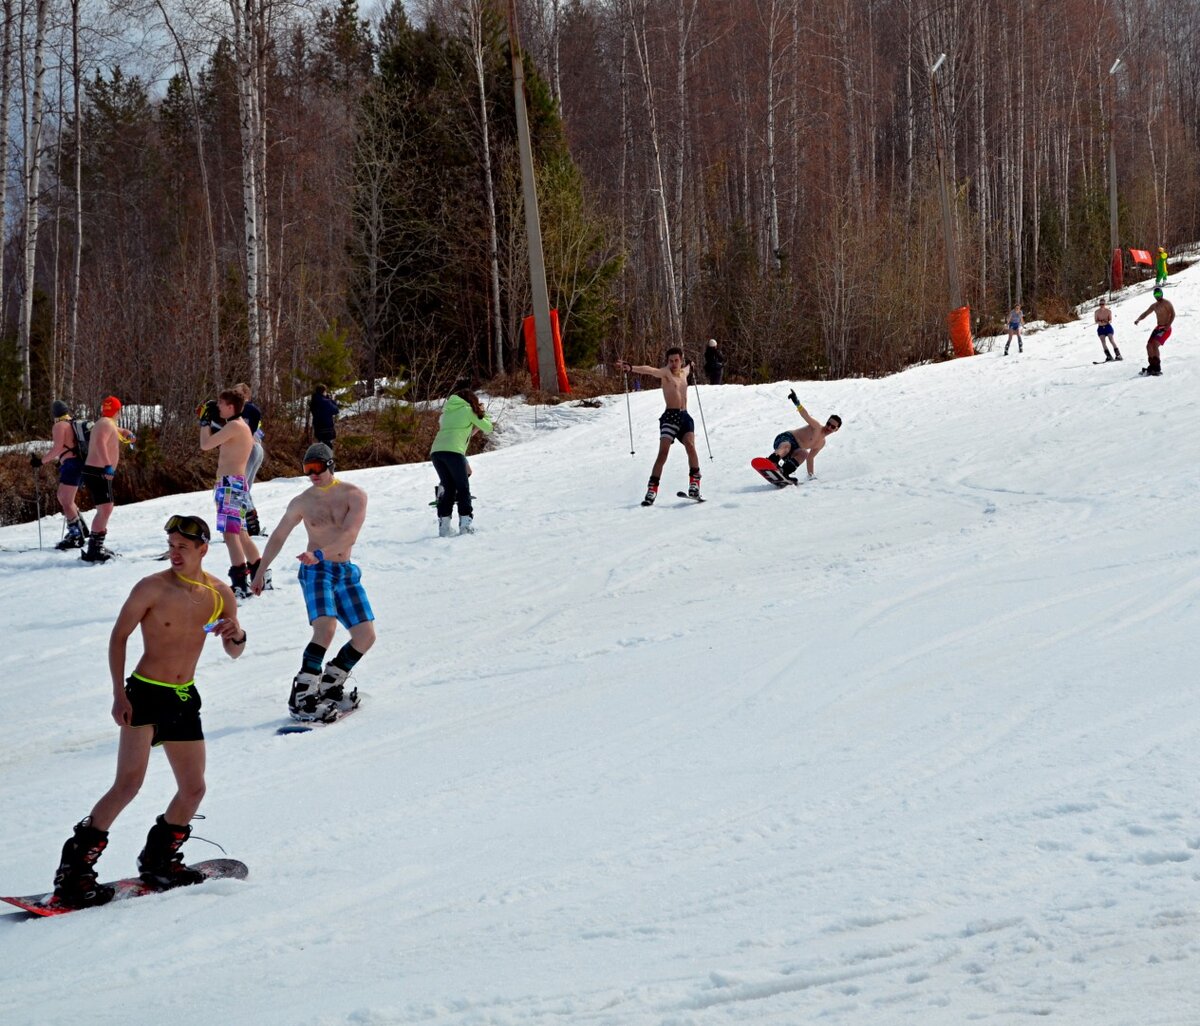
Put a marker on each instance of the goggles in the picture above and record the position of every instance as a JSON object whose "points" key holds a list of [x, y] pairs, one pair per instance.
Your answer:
{"points": [[317, 466], [192, 528]]}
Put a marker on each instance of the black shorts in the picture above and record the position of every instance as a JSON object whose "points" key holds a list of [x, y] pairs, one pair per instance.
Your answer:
{"points": [[675, 424], [99, 487], [173, 712]]}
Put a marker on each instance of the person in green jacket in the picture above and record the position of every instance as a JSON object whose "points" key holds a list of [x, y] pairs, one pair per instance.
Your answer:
{"points": [[462, 414], [1160, 267]]}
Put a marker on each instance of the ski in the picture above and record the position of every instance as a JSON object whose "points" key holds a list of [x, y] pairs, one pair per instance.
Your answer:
{"points": [[694, 498]]}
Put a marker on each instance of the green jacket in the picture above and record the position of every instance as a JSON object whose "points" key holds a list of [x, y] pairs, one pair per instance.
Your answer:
{"points": [[454, 431]]}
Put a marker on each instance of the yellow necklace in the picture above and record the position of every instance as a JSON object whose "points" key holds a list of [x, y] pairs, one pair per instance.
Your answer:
{"points": [[218, 602]]}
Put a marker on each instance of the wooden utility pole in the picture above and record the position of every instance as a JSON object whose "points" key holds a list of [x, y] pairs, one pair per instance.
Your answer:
{"points": [[547, 369], [944, 194]]}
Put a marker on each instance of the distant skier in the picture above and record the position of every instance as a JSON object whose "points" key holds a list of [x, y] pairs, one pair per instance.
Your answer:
{"points": [[1104, 328], [1160, 267], [64, 448], [1164, 312], [675, 422], [714, 363], [177, 610], [324, 410], [462, 415], [1016, 321], [332, 512], [790, 447]]}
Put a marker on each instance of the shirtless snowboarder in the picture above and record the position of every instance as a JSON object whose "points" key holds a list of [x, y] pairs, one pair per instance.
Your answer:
{"points": [[675, 423], [1164, 313], [177, 610], [234, 442], [332, 512], [793, 446]]}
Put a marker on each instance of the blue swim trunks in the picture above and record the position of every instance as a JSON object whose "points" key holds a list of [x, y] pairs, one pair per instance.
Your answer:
{"points": [[1104, 330], [70, 472], [335, 589]]}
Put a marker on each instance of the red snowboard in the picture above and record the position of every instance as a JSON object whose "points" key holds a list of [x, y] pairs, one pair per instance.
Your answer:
{"points": [[771, 472]]}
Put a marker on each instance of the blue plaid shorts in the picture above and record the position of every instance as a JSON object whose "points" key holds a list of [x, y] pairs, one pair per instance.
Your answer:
{"points": [[335, 589]]}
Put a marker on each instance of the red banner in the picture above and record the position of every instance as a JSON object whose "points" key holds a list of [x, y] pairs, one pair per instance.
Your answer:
{"points": [[1141, 256]]}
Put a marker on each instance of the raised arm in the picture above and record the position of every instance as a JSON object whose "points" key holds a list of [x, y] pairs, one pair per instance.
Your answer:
{"points": [[641, 368]]}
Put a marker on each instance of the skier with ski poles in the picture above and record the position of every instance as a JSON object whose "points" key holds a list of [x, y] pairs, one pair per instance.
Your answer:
{"points": [[790, 447], [675, 422]]}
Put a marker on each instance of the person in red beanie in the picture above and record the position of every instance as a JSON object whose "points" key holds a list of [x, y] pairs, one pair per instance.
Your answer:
{"points": [[104, 453]]}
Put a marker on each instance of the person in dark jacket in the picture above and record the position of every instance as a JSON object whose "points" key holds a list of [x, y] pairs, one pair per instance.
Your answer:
{"points": [[324, 414], [714, 363]]}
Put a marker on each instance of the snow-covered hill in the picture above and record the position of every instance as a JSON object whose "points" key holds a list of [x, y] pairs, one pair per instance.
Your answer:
{"points": [[916, 742]]}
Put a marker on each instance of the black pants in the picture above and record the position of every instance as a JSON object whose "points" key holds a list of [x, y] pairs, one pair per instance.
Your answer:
{"points": [[451, 470]]}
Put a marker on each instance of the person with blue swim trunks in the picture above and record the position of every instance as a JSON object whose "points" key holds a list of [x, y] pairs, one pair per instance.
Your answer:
{"points": [[1104, 329], [333, 512]]}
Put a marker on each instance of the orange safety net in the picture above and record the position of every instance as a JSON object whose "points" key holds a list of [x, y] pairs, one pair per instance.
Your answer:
{"points": [[959, 322], [531, 353]]}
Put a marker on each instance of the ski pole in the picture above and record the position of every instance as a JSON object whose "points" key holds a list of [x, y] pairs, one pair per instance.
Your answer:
{"points": [[700, 406], [628, 414], [37, 493]]}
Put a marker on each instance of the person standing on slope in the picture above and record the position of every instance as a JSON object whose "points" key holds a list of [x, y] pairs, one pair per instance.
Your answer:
{"points": [[100, 467], [462, 414], [1104, 328], [177, 610], [64, 448], [790, 447], [235, 444], [1016, 321], [332, 511], [1164, 312], [252, 415], [675, 422]]}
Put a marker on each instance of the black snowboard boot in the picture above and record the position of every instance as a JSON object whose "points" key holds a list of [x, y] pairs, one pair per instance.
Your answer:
{"points": [[252, 572], [1118, 352], [239, 581], [775, 458], [253, 527], [75, 882], [788, 467], [161, 863], [95, 551], [306, 703]]}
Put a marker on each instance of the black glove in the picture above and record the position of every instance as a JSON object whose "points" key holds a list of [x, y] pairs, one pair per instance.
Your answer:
{"points": [[35, 460], [209, 413], [792, 397]]}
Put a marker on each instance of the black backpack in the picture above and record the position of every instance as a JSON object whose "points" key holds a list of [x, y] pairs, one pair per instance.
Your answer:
{"points": [[83, 435]]}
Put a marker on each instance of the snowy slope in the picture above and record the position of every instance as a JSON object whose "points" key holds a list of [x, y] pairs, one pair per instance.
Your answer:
{"points": [[916, 742]]}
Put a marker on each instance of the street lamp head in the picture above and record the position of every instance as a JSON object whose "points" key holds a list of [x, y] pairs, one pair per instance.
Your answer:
{"points": [[1116, 64], [937, 64]]}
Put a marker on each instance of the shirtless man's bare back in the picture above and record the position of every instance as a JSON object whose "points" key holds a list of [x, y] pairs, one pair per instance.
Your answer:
{"points": [[234, 443], [177, 611], [675, 421], [332, 511]]}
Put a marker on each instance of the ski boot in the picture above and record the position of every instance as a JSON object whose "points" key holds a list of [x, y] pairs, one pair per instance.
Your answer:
{"points": [[75, 883], [1118, 354], [252, 572], [95, 551], [74, 538], [1108, 357], [240, 582], [161, 862], [305, 702], [466, 525], [445, 530], [651, 492], [694, 483], [333, 689]]}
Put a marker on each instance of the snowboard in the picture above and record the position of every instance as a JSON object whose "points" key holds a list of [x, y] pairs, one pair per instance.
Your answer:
{"points": [[307, 726], [771, 472], [133, 887]]}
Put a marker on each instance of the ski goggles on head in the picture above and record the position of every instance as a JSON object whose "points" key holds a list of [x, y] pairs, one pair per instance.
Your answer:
{"points": [[192, 528], [312, 467]]}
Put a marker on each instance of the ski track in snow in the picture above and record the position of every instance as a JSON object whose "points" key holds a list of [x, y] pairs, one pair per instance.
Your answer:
{"points": [[915, 742]]}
